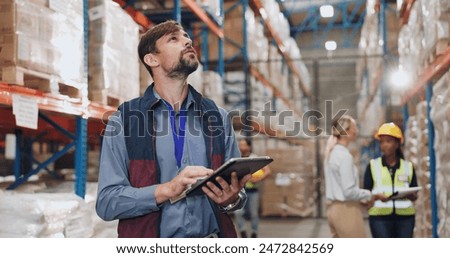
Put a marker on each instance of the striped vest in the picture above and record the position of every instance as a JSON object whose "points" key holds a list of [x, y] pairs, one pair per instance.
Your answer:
{"points": [[383, 184], [140, 139]]}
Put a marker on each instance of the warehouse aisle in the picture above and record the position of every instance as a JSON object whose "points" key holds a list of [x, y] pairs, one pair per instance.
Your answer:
{"points": [[278, 227], [294, 228]]}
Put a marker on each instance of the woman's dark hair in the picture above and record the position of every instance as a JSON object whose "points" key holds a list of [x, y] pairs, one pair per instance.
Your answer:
{"points": [[398, 151]]}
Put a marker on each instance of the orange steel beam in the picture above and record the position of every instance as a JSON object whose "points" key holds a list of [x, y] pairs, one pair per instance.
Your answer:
{"points": [[195, 8], [405, 10], [276, 92], [99, 111], [433, 71], [259, 9], [56, 103], [137, 16]]}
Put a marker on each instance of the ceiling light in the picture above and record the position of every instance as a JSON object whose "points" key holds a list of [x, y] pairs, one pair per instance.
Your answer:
{"points": [[330, 45], [326, 11]]}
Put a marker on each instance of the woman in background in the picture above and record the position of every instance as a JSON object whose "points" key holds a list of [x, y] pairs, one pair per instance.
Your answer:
{"points": [[386, 174], [343, 193]]}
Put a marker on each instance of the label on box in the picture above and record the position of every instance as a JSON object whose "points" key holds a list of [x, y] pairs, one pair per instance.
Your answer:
{"points": [[97, 12], [25, 110], [282, 180]]}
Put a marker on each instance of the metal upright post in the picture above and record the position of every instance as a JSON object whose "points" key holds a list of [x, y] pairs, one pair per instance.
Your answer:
{"points": [[220, 67], [18, 156], [205, 50], [81, 157], [405, 116], [81, 123], [247, 101], [382, 23], [434, 204], [177, 10], [315, 104]]}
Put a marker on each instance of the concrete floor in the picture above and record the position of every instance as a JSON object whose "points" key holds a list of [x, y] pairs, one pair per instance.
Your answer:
{"points": [[278, 227], [294, 228]]}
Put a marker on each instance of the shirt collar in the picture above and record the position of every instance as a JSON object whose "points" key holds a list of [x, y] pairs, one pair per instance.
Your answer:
{"points": [[189, 100], [384, 163]]}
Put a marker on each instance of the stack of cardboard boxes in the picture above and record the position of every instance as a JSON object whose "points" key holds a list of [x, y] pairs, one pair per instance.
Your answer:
{"points": [[290, 190], [41, 44], [113, 58]]}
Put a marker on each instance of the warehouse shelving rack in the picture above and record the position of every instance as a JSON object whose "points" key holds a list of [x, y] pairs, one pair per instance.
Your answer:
{"points": [[258, 8], [381, 10], [421, 87], [63, 114], [251, 70], [424, 83]]}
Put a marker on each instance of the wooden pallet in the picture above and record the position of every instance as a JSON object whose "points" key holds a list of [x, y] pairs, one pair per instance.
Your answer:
{"points": [[105, 98], [41, 81]]}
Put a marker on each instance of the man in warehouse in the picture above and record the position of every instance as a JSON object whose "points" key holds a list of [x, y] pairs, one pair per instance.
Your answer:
{"points": [[157, 145], [251, 208]]}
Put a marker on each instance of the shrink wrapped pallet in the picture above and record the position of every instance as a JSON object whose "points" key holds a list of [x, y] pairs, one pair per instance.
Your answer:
{"points": [[113, 60]]}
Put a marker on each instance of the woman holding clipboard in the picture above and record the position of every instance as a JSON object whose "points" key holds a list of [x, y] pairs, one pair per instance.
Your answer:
{"points": [[388, 174]]}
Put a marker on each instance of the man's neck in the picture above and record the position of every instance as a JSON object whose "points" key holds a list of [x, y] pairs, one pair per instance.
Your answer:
{"points": [[172, 91]]}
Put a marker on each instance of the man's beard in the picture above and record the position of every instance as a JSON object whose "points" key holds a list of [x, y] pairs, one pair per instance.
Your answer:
{"points": [[184, 67]]}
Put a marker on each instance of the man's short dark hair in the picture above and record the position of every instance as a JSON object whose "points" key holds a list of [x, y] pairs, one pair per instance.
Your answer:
{"points": [[147, 44]]}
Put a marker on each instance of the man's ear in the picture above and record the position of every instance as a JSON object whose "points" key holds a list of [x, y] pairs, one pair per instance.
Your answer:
{"points": [[151, 60]]}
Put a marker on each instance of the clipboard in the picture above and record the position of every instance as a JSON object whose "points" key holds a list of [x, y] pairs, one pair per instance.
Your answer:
{"points": [[400, 194], [242, 166]]}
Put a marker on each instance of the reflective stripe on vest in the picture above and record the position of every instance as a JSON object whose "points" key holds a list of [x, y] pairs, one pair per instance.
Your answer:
{"points": [[382, 183]]}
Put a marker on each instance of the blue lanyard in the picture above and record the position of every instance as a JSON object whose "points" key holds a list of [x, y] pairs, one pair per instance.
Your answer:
{"points": [[178, 137]]}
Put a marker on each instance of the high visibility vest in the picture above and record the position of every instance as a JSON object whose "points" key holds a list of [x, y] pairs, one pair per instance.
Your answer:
{"points": [[382, 183]]}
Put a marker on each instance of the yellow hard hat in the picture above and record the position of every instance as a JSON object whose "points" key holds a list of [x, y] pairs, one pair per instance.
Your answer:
{"points": [[390, 129]]}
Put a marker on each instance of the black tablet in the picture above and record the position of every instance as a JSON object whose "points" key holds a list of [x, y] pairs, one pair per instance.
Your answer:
{"points": [[242, 166]]}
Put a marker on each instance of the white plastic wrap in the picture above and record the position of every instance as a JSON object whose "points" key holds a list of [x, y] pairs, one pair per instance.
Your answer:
{"points": [[440, 115], [113, 58]]}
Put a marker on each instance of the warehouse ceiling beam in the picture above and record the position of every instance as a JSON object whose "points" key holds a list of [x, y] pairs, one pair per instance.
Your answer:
{"points": [[348, 18], [137, 16], [299, 6]]}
